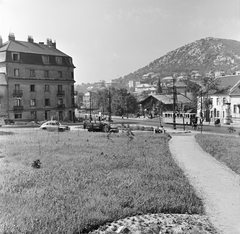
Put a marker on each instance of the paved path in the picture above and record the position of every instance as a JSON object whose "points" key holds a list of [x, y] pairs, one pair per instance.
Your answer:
{"points": [[217, 185]]}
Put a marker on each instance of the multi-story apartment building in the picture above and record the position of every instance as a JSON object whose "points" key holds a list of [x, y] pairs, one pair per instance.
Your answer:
{"points": [[36, 81]]}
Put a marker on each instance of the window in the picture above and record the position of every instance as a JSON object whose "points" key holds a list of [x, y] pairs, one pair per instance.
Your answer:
{"points": [[17, 102], [47, 88], [70, 61], [33, 102], [72, 75], [47, 102], [217, 113], [32, 73], [16, 72], [59, 60], [46, 73], [234, 108], [60, 101], [32, 88], [15, 56], [17, 86], [223, 114], [18, 115], [59, 74], [33, 115], [60, 115], [217, 101], [224, 100], [45, 59], [59, 87]]}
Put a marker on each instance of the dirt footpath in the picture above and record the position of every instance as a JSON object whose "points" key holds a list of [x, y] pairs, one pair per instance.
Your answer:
{"points": [[216, 184]]}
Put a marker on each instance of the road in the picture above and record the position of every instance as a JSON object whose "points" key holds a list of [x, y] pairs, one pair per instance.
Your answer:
{"points": [[155, 122], [149, 122]]}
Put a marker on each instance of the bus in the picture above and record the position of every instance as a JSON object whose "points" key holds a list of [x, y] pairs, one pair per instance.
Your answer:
{"points": [[180, 118]]}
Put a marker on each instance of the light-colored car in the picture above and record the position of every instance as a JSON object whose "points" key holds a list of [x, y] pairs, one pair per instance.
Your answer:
{"points": [[54, 125]]}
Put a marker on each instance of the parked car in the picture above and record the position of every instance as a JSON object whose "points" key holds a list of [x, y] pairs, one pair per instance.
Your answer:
{"points": [[99, 126], [9, 121], [54, 125]]}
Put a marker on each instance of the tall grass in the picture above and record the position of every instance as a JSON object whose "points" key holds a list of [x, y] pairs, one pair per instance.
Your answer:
{"points": [[86, 180], [223, 148]]}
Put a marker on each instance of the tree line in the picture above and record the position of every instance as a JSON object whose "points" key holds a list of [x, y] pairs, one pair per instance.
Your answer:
{"points": [[111, 100]]}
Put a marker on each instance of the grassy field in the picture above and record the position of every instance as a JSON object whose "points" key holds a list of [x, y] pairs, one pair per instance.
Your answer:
{"points": [[87, 179], [223, 148]]}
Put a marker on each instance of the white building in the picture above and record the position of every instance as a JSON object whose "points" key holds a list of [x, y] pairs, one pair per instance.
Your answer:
{"points": [[225, 102], [145, 87]]}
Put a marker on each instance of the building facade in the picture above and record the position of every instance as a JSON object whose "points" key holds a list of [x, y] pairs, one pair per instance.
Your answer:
{"points": [[224, 103], [36, 81]]}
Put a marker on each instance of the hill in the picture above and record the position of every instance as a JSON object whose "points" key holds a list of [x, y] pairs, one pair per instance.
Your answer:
{"points": [[205, 55]]}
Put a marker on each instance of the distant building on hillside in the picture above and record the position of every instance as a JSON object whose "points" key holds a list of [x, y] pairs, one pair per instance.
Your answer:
{"points": [[151, 89], [131, 84], [111, 83], [100, 84], [219, 73]]}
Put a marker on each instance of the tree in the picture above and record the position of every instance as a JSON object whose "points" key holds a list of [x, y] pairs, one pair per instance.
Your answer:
{"points": [[79, 100], [102, 100], [159, 87]]}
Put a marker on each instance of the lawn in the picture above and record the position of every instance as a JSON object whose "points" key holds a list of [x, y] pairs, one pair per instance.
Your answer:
{"points": [[87, 179], [224, 148]]}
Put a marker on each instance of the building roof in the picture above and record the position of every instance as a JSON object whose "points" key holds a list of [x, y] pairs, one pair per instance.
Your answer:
{"points": [[168, 99], [225, 81], [235, 90], [145, 86], [228, 85], [30, 47]]}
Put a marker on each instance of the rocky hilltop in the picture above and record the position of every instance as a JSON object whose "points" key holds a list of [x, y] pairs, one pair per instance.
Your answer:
{"points": [[204, 56]]}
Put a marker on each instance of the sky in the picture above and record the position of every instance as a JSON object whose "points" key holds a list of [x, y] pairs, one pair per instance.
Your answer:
{"points": [[108, 39]]}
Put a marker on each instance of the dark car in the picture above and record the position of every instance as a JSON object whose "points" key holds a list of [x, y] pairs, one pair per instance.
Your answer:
{"points": [[8, 121], [99, 126]]}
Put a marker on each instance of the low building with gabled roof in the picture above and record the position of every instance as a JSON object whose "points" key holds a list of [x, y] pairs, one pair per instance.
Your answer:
{"points": [[166, 101]]}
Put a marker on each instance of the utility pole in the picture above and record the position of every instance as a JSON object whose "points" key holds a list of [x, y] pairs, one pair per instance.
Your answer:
{"points": [[174, 103], [201, 114], [109, 100], [90, 99]]}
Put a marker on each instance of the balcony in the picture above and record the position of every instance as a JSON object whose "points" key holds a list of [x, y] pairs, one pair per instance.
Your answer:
{"points": [[17, 93], [17, 108], [61, 106], [60, 93]]}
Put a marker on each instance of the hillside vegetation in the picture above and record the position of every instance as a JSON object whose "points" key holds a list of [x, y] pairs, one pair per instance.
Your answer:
{"points": [[205, 55]]}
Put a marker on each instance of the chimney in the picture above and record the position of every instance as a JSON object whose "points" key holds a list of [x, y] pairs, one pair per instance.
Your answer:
{"points": [[50, 43], [1, 43], [54, 45], [30, 39], [11, 37]]}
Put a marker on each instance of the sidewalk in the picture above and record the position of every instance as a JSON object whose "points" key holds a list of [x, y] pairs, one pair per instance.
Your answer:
{"points": [[216, 184]]}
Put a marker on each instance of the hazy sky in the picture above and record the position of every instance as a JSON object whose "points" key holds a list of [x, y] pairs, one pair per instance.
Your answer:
{"points": [[112, 38]]}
